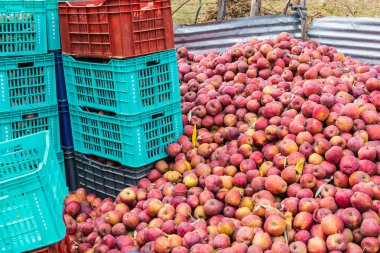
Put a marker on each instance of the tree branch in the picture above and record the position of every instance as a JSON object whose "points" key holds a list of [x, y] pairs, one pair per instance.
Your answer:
{"points": [[179, 7]]}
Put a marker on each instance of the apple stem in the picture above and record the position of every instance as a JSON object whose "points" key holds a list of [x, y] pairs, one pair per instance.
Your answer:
{"points": [[286, 238], [315, 211], [319, 190], [286, 160], [329, 180], [282, 206], [196, 221], [191, 216]]}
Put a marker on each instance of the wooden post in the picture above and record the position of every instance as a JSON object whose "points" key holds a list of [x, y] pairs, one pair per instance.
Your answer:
{"points": [[221, 9], [256, 8], [304, 22]]}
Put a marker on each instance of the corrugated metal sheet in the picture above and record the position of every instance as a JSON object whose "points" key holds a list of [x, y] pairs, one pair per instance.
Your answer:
{"points": [[357, 37], [221, 35]]}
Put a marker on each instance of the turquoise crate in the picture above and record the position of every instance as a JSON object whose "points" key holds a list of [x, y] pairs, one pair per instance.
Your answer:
{"points": [[133, 140], [28, 27], [32, 191], [128, 86], [27, 82], [53, 31], [61, 162], [17, 124]]}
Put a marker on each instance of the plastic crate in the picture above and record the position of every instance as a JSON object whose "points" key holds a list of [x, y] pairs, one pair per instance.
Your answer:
{"points": [[32, 191], [61, 163], [107, 181], [27, 82], [132, 140], [124, 86], [116, 28], [28, 27], [17, 124], [65, 125], [63, 246], [71, 172], [60, 77]]}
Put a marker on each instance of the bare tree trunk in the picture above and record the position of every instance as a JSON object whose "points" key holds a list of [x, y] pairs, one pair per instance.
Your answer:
{"points": [[198, 11], [221, 9], [256, 8]]}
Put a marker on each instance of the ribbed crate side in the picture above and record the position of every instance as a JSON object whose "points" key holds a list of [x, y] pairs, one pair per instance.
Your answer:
{"points": [[148, 30], [133, 140], [60, 77], [128, 86], [28, 27], [27, 82], [71, 171], [65, 125], [107, 181], [35, 191], [22, 123]]}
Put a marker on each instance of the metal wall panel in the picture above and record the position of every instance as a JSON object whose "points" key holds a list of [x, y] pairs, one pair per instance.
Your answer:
{"points": [[357, 37], [221, 35]]}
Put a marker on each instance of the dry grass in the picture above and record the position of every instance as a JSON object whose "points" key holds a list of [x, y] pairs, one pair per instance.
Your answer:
{"points": [[241, 8], [187, 14]]}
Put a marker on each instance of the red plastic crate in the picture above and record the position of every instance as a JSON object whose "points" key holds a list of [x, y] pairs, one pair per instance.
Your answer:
{"points": [[63, 246], [115, 28]]}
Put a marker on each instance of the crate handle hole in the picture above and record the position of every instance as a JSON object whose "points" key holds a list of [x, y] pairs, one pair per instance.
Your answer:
{"points": [[30, 116], [146, 6], [85, 4], [92, 60], [96, 111], [158, 115], [152, 63], [25, 64]]}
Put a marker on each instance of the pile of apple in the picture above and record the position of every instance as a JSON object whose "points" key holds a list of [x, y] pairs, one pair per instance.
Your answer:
{"points": [[280, 153]]}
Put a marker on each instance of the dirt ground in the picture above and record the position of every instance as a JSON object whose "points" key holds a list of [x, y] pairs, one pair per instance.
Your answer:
{"points": [[241, 8]]}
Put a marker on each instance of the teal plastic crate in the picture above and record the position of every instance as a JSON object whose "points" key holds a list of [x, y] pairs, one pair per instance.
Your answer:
{"points": [[17, 124], [27, 82], [53, 31], [61, 162], [28, 27], [130, 86], [133, 140], [32, 191]]}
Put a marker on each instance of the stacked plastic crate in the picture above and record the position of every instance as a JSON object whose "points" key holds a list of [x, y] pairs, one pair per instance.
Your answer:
{"points": [[32, 194], [28, 102], [122, 82], [64, 120]]}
